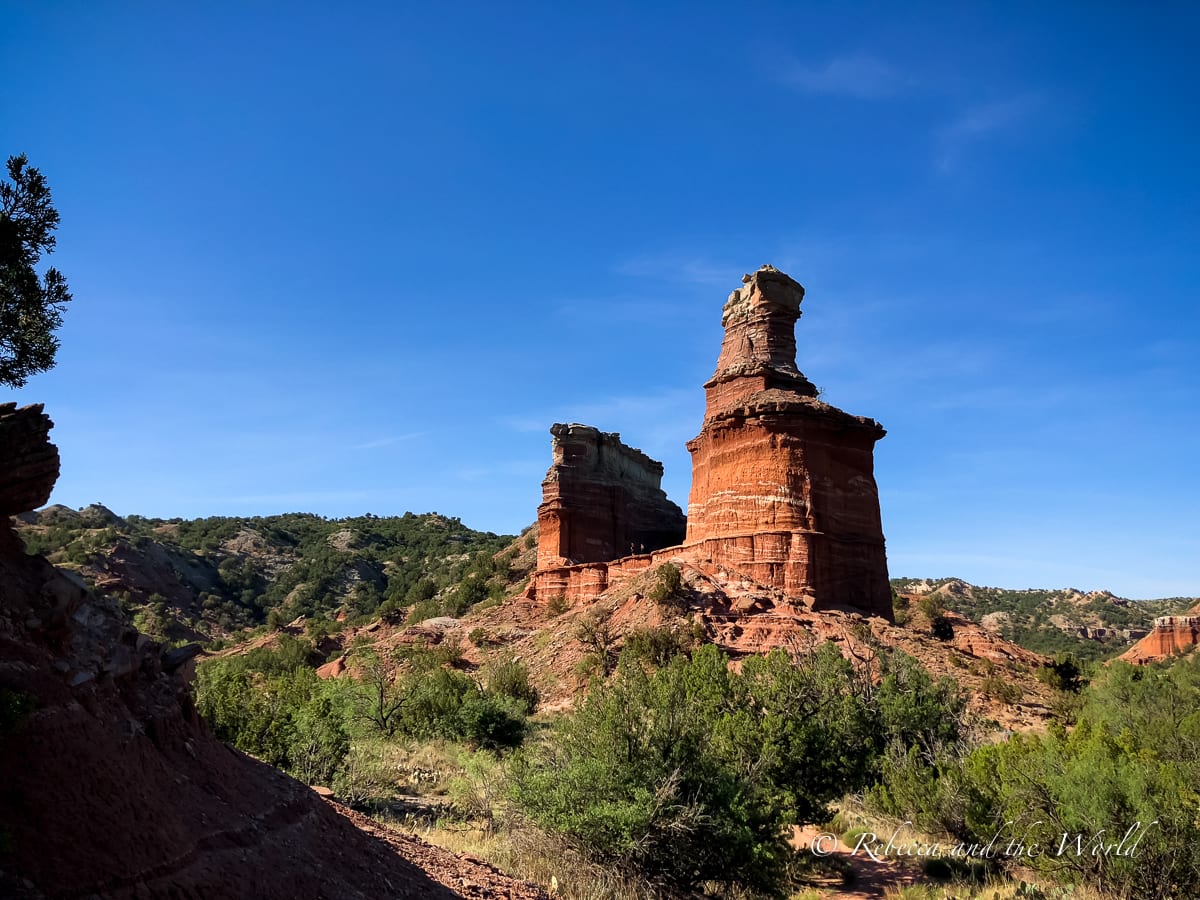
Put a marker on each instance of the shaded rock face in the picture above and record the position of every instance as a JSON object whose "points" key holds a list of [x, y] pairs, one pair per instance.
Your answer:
{"points": [[113, 787], [602, 500], [783, 485], [1170, 635], [28, 461]]}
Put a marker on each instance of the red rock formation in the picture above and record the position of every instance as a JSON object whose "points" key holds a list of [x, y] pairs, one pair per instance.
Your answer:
{"points": [[1170, 635], [602, 500], [783, 485]]}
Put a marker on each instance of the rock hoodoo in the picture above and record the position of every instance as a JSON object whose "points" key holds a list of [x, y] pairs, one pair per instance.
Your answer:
{"points": [[783, 485], [602, 500]]}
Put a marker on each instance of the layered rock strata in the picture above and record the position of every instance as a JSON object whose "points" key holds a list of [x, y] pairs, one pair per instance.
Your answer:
{"points": [[1170, 635], [602, 500], [783, 484]]}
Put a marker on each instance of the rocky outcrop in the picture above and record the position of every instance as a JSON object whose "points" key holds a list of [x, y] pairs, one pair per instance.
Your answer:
{"points": [[112, 786], [783, 485], [1169, 636], [602, 500], [28, 461]]}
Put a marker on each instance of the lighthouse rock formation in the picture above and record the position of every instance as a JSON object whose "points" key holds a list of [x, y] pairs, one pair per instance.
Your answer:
{"points": [[783, 487]]}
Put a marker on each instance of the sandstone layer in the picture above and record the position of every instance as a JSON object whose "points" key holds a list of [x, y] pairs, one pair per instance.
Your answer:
{"points": [[602, 500]]}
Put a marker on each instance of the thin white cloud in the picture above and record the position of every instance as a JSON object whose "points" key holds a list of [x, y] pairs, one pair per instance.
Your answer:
{"points": [[858, 75], [388, 441], [677, 268], [982, 123]]}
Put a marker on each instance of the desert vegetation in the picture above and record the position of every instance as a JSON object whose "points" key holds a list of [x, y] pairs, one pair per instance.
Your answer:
{"points": [[212, 578], [679, 773]]}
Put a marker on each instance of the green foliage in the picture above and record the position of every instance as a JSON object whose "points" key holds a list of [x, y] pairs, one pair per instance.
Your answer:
{"points": [[509, 678], [31, 306], [1028, 615], [596, 633], [1063, 674], [656, 646], [490, 723], [690, 772], [1130, 769], [290, 564], [271, 704], [941, 628], [667, 589]]}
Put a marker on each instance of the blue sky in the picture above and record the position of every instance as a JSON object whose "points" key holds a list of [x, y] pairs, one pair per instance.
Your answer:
{"points": [[358, 257]]}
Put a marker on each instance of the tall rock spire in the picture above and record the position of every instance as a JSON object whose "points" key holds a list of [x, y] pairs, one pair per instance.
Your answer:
{"points": [[783, 485], [759, 350]]}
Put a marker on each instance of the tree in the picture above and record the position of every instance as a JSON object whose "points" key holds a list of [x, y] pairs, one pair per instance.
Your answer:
{"points": [[383, 694], [30, 306]]}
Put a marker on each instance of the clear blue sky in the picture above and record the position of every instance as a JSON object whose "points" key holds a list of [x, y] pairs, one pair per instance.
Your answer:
{"points": [[349, 258]]}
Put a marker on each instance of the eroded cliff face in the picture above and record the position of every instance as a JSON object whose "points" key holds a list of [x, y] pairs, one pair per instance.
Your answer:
{"points": [[1170, 635], [112, 786], [602, 500], [783, 485]]}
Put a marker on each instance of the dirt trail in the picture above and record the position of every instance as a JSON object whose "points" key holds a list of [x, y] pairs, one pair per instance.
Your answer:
{"points": [[872, 877]]}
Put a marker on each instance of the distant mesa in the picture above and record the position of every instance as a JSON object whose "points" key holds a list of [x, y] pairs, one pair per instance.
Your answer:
{"points": [[783, 485]]}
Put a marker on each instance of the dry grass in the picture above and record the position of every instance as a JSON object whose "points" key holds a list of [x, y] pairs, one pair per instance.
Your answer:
{"points": [[526, 852], [998, 890]]}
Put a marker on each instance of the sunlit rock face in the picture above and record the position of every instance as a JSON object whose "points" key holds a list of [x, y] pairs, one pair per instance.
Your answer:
{"points": [[783, 484], [1170, 635], [602, 500]]}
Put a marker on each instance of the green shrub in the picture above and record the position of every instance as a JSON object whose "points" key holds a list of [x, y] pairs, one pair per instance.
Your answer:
{"points": [[667, 589], [509, 678], [490, 723], [656, 646], [1129, 769], [942, 628], [1063, 674], [689, 774]]}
